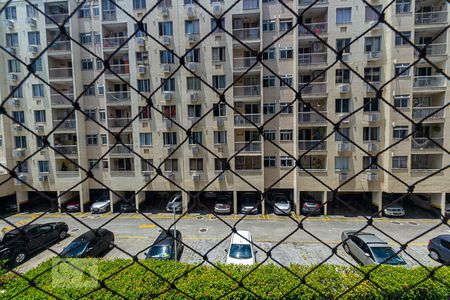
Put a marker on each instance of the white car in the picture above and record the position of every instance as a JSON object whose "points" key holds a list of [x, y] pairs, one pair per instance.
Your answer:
{"points": [[241, 251], [102, 205]]}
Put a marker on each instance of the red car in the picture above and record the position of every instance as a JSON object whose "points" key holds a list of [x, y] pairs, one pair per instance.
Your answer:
{"points": [[73, 205]]}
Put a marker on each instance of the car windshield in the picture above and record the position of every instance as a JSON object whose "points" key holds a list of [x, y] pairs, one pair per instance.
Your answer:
{"points": [[381, 254], [222, 201], [240, 251], [159, 251], [75, 248], [281, 200]]}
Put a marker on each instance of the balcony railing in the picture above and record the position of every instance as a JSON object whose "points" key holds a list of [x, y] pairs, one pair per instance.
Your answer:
{"points": [[313, 88], [309, 2], [434, 49], [241, 121], [59, 46], [247, 90], [109, 15], [122, 173], [425, 143], [247, 34], [119, 70], [429, 81], [121, 149], [118, 97], [65, 125], [58, 18], [311, 117], [434, 17], [119, 122], [313, 145], [254, 146], [243, 63], [67, 174], [66, 149], [317, 28], [312, 58], [375, 84], [423, 112], [115, 42], [57, 99], [60, 73]]}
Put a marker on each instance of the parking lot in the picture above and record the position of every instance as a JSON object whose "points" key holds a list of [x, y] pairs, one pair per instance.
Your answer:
{"points": [[206, 234]]}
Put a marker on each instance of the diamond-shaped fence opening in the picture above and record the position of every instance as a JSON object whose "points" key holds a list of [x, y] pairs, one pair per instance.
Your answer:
{"points": [[250, 100]]}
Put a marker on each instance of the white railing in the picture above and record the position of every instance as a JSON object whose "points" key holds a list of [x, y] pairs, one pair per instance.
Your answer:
{"points": [[58, 18], [66, 124], [254, 146], [423, 112], [245, 34], [312, 117], [123, 69], [317, 28], [58, 99], [429, 81], [241, 121], [425, 143], [65, 174], [434, 17], [59, 46], [434, 49], [247, 90], [118, 97], [312, 58], [119, 122], [121, 149], [115, 42], [317, 88], [121, 173], [309, 2], [243, 63], [59, 73], [66, 149], [313, 145]]}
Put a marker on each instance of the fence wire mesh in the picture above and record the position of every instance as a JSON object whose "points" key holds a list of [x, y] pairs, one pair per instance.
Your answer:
{"points": [[301, 24]]}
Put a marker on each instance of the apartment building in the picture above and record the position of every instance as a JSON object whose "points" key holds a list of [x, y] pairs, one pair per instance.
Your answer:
{"points": [[305, 62]]}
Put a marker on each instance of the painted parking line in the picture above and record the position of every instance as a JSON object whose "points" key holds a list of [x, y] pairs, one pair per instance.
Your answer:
{"points": [[147, 226]]}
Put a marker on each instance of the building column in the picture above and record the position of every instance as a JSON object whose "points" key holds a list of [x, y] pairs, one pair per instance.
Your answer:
{"points": [[235, 199], [114, 199], [297, 201], [263, 206], [21, 197], [140, 198], [377, 200], [443, 198], [323, 199], [85, 198], [62, 198], [184, 201]]}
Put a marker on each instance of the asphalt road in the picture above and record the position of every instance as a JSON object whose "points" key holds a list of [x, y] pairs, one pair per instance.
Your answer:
{"points": [[205, 234]]}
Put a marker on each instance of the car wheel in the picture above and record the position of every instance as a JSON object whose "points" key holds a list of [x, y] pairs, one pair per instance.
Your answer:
{"points": [[434, 255], [346, 248], [62, 234], [19, 257], [110, 245]]}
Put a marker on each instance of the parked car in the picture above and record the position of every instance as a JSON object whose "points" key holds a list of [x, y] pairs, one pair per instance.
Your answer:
{"points": [[368, 249], [241, 251], [127, 206], [73, 206], [310, 206], [447, 209], [164, 246], [102, 205], [10, 207], [249, 204], [439, 248], [223, 205], [19, 243], [93, 243], [280, 203], [175, 202], [394, 210]]}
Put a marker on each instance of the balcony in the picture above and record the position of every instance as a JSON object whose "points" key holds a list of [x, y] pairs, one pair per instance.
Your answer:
{"points": [[119, 123], [424, 82], [59, 46], [247, 34], [57, 18], [311, 117], [60, 73], [309, 2], [313, 145], [312, 59], [59, 100], [122, 173], [120, 150], [112, 43], [426, 143], [118, 98], [431, 50], [430, 18], [254, 146], [313, 88], [320, 28], [242, 64], [244, 91], [120, 70], [418, 113], [69, 124], [109, 15], [250, 4], [66, 150], [67, 174], [241, 121]]}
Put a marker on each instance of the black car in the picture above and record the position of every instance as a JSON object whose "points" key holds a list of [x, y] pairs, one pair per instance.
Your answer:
{"points": [[17, 244], [93, 243], [310, 206], [164, 246], [10, 207], [127, 207], [439, 248]]}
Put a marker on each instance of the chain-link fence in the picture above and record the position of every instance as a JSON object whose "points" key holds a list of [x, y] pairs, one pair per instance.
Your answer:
{"points": [[298, 20]]}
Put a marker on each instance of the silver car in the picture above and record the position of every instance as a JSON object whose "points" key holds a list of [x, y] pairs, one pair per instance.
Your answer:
{"points": [[281, 204], [250, 203], [368, 249], [102, 205], [394, 210], [447, 209], [175, 202]]}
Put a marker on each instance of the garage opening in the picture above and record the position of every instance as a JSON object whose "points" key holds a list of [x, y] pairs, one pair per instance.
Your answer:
{"points": [[8, 205], [311, 203], [70, 201], [126, 203], [96, 195], [156, 201], [212, 202], [414, 206], [249, 202], [358, 204], [38, 203], [280, 202]]}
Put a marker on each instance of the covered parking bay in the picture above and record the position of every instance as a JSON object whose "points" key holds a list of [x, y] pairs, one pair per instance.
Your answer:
{"points": [[351, 204]]}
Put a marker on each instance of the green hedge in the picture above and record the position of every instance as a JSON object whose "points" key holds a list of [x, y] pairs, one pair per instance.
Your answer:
{"points": [[206, 282]]}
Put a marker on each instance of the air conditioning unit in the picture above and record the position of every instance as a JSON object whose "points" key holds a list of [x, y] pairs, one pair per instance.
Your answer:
{"points": [[170, 150], [221, 177], [33, 49], [170, 176], [372, 177], [220, 122], [22, 177], [167, 96], [190, 11], [165, 11], [12, 77], [146, 176], [39, 127], [32, 22], [192, 66], [16, 101], [43, 177], [166, 40], [191, 38], [373, 55], [195, 150], [141, 69], [10, 24], [196, 177], [168, 123], [344, 88], [165, 68], [11, 50], [18, 152], [17, 127], [220, 149], [194, 96], [373, 117], [216, 9], [343, 176], [343, 147], [346, 57], [372, 147], [140, 41]]}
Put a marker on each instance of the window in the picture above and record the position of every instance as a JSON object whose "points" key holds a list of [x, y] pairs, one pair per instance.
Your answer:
{"points": [[343, 15], [193, 84], [34, 38], [269, 54], [17, 91], [91, 139], [171, 165], [92, 164], [219, 81], [268, 80], [219, 110], [89, 90], [43, 166], [169, 111], [143, 85], [268, 25], [248, 162], [399, 162], [193, 55], [367, 163], [402, 70], [220, 137], [169, 138], [145, 139], [285, 24], [19, 116], [194, 111], [102, 114], [286, 53], [146, 165], [99, 63], [142, 58], [91, 114], [12, 40], [269, 108], [371, 104], [139, 4], [342, 163], [342, 76], [343, 44], [196, 164], [84, 11], [371, 133], [372, 74], [20, 142], [285, 134], [39, 116], [22, 166], [167, 85], [13, 66], [166, 57], [36, 65], [86, 38], [402, 6], [39, 141], [97, 38], [37, 90], [270, 161], [399, 132], [95, 10], [269, 134], [215, 27], [220, 164], [342, 105], [104, 138], [165, 28], [286, 161], [87, 64], [10, 13], [341, 135], [287, 80], [145, 112], [372, 44], [399, 40], [401, 101], [105, 164], [371, 12], [191, 27], [286, 108], [196, 138], [218, 54]]}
